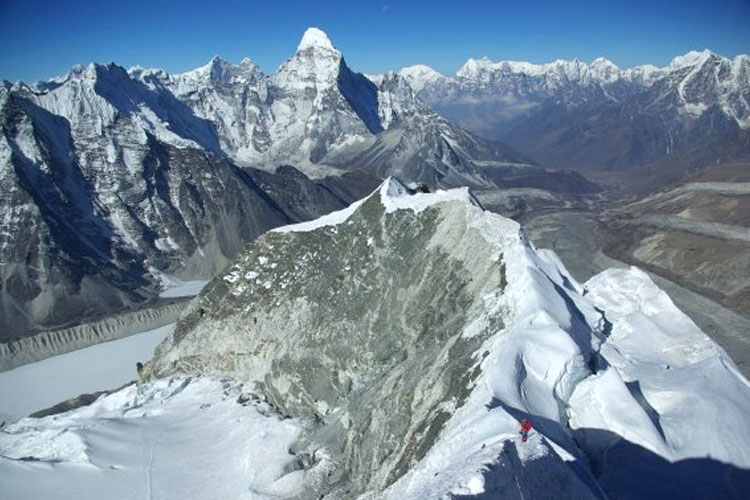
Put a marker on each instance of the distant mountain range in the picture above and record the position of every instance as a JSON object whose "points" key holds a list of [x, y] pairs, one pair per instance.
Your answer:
{"points": [[597, 117], [111, 177]]}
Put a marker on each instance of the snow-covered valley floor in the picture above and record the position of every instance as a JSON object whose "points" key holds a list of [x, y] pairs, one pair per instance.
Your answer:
{"points": [[106, 366], [36, 386]]}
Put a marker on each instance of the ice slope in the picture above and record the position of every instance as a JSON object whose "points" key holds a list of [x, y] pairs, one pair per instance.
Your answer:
{"points": [[653, 404], [623, 390], [667, 395], [172, 439]]}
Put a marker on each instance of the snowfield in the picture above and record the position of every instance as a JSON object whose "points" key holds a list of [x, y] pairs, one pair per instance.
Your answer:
{"points": [[628, 399], [37, 386], [171, 439]]}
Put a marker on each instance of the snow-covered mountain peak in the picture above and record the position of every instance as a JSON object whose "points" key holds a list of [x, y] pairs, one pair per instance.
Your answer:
{"points": [[420, 75], [140, 70], [217, 69], [473, 67], [603, 61], [315, 38], [79, 72], [316, 63], [246, 62], [86, 75], [605, 70], [110, 71], [691, 58], [217, 61], [75, 71]]}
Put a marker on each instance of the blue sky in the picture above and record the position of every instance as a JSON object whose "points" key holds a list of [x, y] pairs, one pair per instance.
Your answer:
{"points": [[41, 39]]}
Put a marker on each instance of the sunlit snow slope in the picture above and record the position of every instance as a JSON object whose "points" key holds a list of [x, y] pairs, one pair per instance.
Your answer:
{"points": [[176, 438]]}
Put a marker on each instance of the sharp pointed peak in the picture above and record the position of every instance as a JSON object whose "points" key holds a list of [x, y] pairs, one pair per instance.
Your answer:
{"points": [[315, 38], [214, 68]]}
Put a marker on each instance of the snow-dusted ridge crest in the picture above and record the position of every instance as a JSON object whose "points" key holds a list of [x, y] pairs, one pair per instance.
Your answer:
{"points": [[394, 195], [474, 65]]}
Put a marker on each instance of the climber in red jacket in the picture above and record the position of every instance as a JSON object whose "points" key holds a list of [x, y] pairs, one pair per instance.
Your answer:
{"points": [[525, 428]]}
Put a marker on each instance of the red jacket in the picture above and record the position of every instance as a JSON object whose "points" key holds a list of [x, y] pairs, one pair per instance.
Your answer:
{"points": [[526, 426]]}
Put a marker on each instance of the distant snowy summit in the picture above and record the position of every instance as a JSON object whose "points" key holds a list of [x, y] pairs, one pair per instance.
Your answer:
{"points": [[732, 77]]}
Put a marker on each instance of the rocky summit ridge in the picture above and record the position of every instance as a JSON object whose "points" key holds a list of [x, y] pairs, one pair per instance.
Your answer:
{"points": [[411, 331]]}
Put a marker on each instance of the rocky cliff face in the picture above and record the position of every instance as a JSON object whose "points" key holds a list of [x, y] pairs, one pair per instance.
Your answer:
{"points": [[358, 325], [411, 332], [88, 223]]}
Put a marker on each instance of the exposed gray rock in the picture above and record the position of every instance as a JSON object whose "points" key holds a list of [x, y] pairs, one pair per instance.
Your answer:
{"points": [[356, 327]]}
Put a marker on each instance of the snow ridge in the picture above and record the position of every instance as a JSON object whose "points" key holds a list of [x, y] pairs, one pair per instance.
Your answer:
{"points": [[607, 358]]}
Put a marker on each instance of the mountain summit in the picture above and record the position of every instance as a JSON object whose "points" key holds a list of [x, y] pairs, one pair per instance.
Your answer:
{"points": [[414, 331], [316, 61], [315, 38]]}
